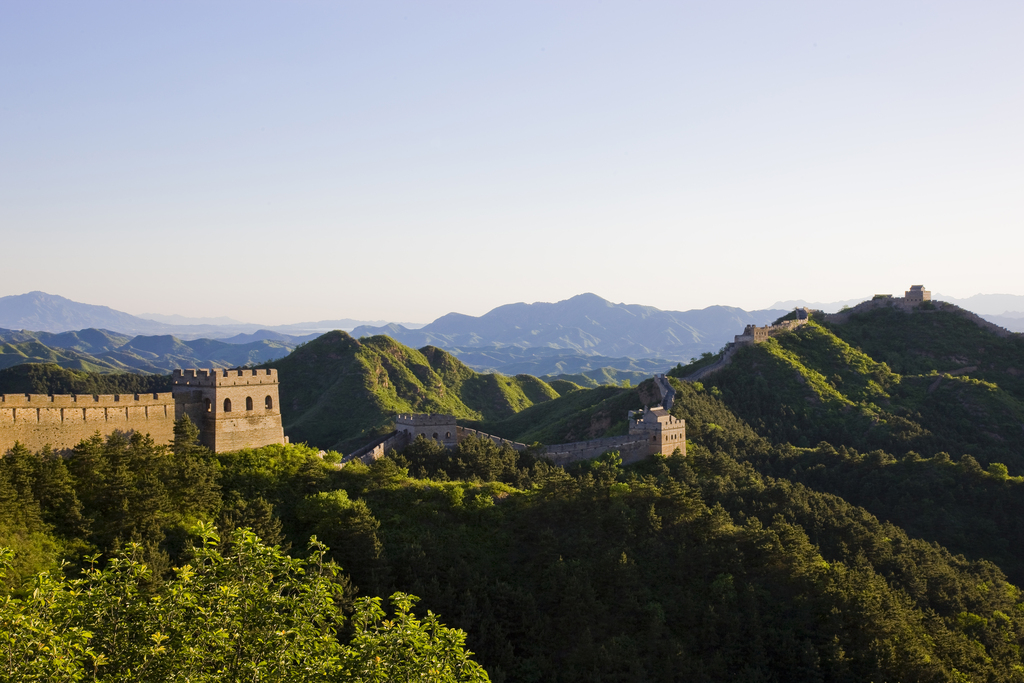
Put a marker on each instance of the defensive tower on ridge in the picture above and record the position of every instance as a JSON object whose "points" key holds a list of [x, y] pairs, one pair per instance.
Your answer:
{"points": [[232, 408]]}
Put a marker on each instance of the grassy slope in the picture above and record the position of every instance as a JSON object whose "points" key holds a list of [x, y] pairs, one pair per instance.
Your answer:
{"points": [[926, 340], [600, 377], [37, 352], [336, 391], [579, 415], [811, 385]]}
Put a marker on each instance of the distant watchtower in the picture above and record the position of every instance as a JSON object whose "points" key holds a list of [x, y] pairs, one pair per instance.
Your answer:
{"points": [[917, 294], [232, 408]]}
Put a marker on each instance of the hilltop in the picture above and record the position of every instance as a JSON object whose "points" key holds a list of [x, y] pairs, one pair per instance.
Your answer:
{"points": [[916, 415], [927, 380], [337, 390]]}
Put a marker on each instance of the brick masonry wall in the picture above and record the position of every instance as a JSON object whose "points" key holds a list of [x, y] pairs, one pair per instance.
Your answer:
{"points": [[62, 421], [463, 432], [631, 448]]}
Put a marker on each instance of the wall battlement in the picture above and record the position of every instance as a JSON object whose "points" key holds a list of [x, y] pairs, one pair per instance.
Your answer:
{"points": [[81, 400], [424, 420], [224, 378]]}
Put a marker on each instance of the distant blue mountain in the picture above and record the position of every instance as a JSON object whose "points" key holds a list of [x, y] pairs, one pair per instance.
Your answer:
{"points": [[42, 312], [585, 324]]}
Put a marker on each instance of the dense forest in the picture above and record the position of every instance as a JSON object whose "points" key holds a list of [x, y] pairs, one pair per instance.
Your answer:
{"points": [[840, 525]]}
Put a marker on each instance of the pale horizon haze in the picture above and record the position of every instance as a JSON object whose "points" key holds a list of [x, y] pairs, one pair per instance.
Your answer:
{"points": [[278, 162]]}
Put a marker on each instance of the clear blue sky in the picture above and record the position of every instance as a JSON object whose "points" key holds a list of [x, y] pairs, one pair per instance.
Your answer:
{"points": [[287, 161]]}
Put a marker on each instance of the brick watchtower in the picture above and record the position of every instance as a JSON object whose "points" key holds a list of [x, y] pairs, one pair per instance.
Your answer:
{"points": [[232, 408], [663, 432]]}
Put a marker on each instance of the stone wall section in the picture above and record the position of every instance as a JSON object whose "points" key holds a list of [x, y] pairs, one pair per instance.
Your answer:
{"points": [[61, 421], [752, 334], [463, 432], [400, 438], [232, 408], [698, 375], [652, 431], [632, 448], [377, 448]]}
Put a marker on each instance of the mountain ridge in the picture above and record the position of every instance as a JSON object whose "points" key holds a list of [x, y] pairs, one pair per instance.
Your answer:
{"points": [[97, 350], [586, 324], [42, 312]]}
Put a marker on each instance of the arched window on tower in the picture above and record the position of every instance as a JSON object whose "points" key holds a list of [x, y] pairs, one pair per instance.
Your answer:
{"points": [[269, 403], [209, 406], [248, 402], [227, 405]]}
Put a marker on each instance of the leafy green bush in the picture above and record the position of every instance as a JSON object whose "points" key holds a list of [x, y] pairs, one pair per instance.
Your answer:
{"points": [[254, 614]]}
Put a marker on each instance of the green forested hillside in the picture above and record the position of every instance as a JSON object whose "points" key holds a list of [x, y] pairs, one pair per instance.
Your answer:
{"points": [[812, 385], [834, 520], [697, 568], [336, 390], [934, 453]]}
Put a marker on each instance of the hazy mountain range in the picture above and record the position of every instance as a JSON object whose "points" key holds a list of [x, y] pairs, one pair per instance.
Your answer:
{"points": [[105, 351], [42, 312], [585, 324], [585, 335]]}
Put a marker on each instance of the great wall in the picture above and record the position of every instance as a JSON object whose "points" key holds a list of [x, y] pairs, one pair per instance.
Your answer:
{"points": [[232, 408], [238, 408], [650, 431]]}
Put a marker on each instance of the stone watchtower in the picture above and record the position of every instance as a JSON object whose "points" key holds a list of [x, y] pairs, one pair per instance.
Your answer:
{"points": [[917, 294], [232, 408], [441, 428], [663, 433]]}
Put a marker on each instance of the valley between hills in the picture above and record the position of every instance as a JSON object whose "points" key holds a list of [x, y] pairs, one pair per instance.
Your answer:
{"points": [[849, 506]]}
